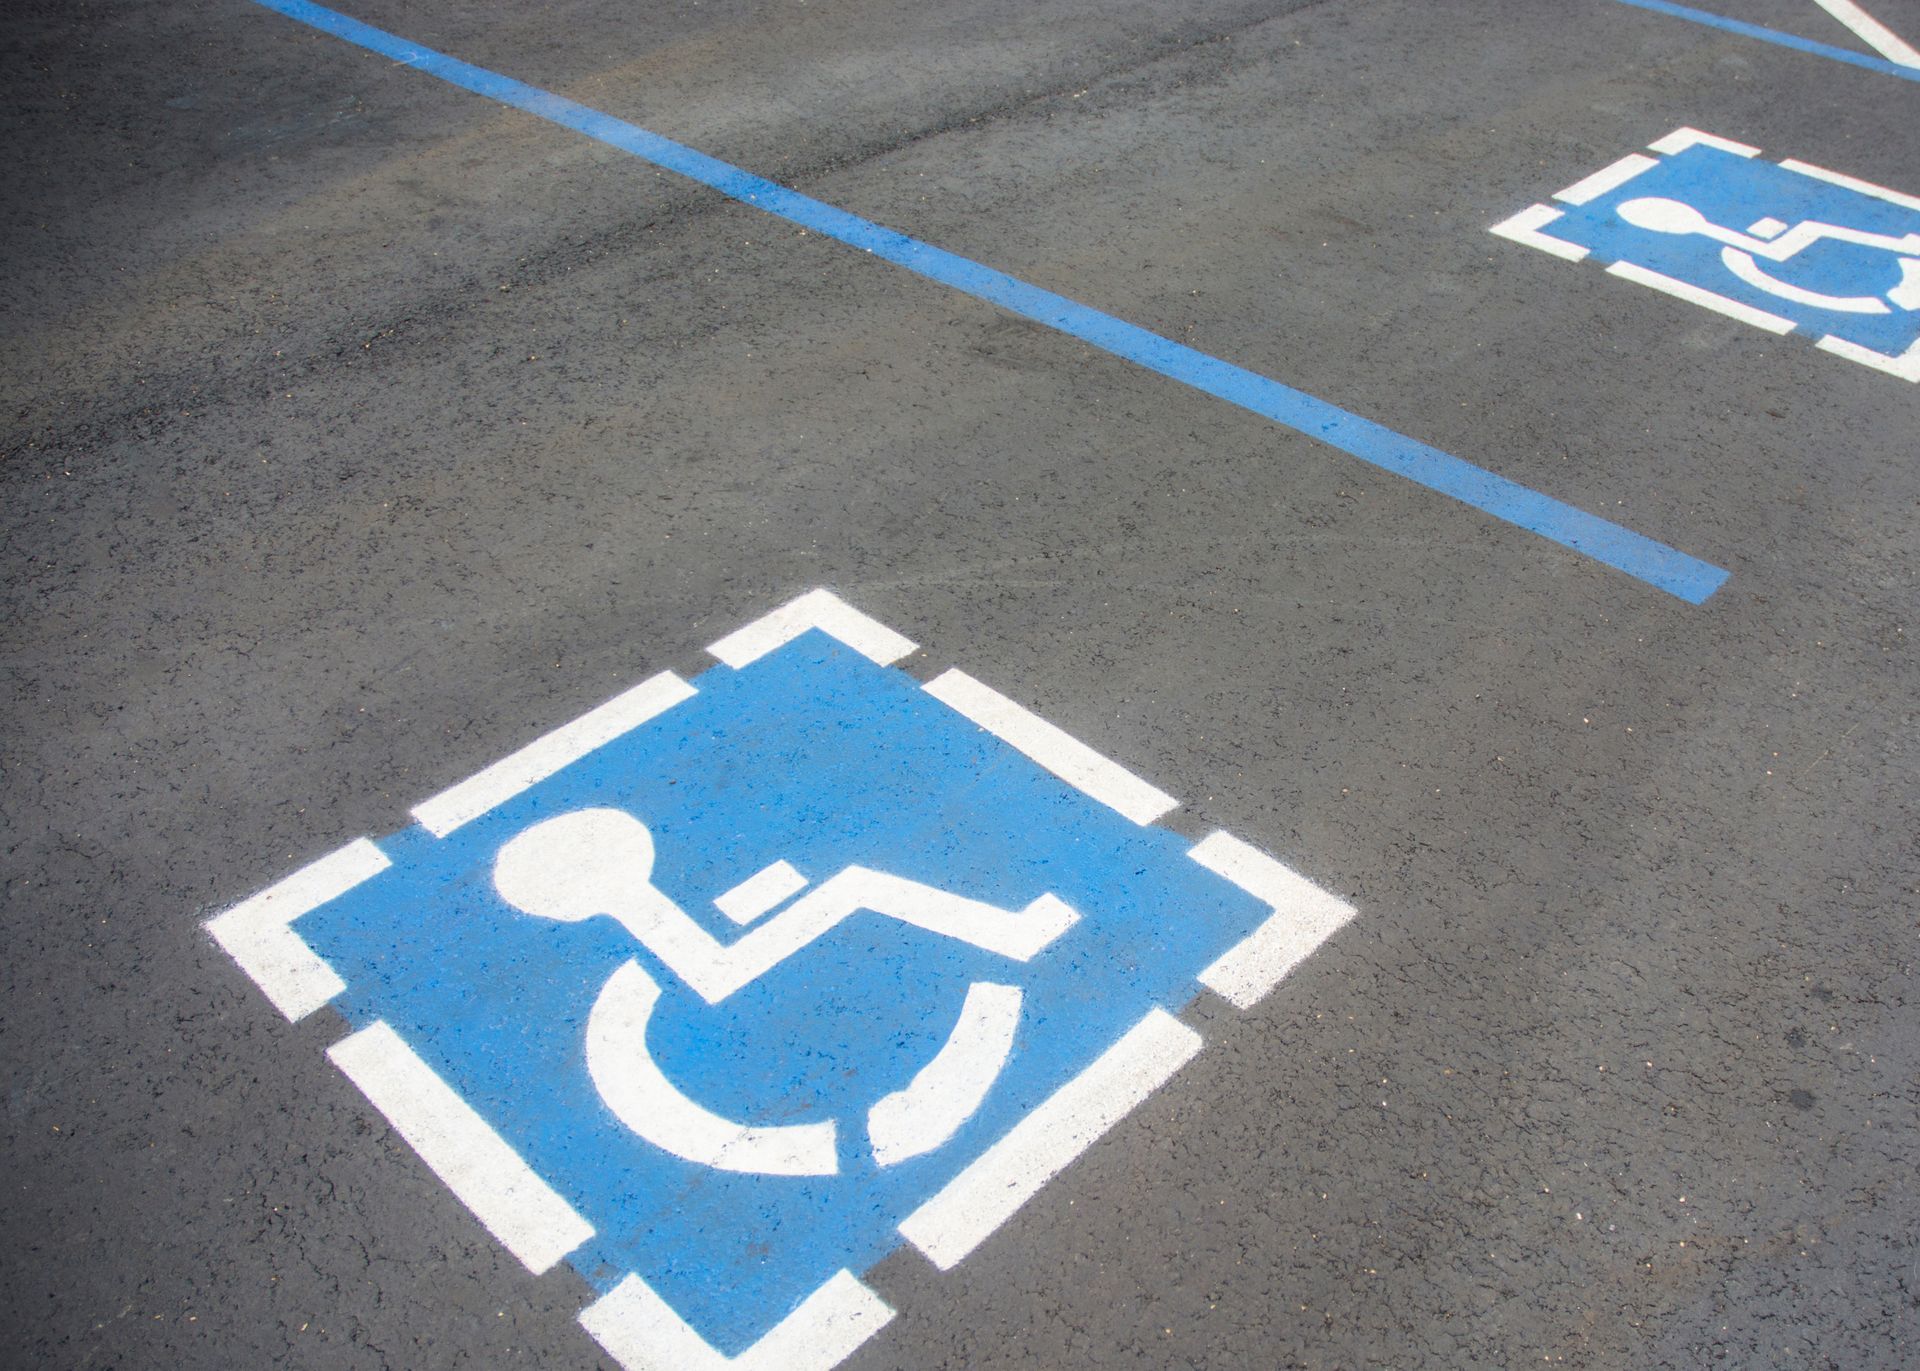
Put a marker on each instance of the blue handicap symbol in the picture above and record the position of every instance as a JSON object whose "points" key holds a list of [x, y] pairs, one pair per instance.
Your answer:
{"points": [[1827, 258], [697, 977]]}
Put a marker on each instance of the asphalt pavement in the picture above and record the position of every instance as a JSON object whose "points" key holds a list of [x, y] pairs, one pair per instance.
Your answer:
{"points": [[359, 429]]}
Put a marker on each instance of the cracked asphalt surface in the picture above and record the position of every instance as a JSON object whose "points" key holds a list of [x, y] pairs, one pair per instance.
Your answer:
{"points": [[357, 430]]}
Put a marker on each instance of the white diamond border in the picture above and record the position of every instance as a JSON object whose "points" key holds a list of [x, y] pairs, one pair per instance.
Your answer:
{"points": [[632, 1322]]}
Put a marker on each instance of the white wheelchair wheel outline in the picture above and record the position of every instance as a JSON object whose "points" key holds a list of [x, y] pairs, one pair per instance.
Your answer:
{"points": [[907, 1123], [1746, 268]]}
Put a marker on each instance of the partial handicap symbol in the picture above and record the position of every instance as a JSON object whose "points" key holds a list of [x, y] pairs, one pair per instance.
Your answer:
{"points": [[1773, 241], [1783, 246], [736, 984]]}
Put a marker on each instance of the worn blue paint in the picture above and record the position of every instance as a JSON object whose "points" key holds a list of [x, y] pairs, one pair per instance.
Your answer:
{"points": [[1785, 40], [816, 756], [1735, 192], [1682, 575]]}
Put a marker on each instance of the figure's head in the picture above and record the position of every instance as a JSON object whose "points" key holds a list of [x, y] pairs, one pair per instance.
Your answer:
{"points": [[576, 865], [1657, 214]]}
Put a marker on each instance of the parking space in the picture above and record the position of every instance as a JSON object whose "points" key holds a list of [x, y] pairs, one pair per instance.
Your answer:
{"points": [[1492, 648]]}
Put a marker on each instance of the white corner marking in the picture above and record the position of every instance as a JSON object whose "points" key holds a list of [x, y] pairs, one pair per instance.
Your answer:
{"points": [[1706, 299], [1304, 916], [1606, 179], [257, 933], [1683, 138], [1906, 366], [1524, 228], [967, 1210], [1062, 754], [489, 789], [1851, 183], [641, 1331], [478, 1165], [820, 609]]}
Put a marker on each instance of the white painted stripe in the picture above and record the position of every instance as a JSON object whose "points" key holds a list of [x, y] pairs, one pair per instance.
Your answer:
{"points": [[256, 932], [911, 1122], [973, 1204], [1525, 228], [820, 609], [641, 1332], [1606, 179], [1683, 138], [1706, 299], [521, 1210], [1872, 32], [1304, 916], [1065, 756], [760, 892], [539, 759], [1851, 183], [1906, 366]]}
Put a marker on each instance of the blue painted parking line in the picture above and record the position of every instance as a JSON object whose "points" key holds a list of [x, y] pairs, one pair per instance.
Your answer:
{"points": [[1666, 568], [1785, 40], [732, 986]]}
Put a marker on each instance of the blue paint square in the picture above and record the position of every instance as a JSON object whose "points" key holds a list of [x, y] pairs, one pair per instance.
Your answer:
{"points": [[1762, 234], [814, 756]]}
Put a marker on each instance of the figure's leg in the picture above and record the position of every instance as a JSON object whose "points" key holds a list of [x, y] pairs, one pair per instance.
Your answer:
{"points": [[1018, 934], [715, 970]]}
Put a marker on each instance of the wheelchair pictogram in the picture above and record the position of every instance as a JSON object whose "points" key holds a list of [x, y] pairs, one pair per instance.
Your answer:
{"points": [[599, 862], [1771, 240], [1785, 246], [733, 985]]}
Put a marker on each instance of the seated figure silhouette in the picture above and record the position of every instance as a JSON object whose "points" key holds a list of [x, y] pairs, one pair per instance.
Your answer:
{"points": [[595, 863]]}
